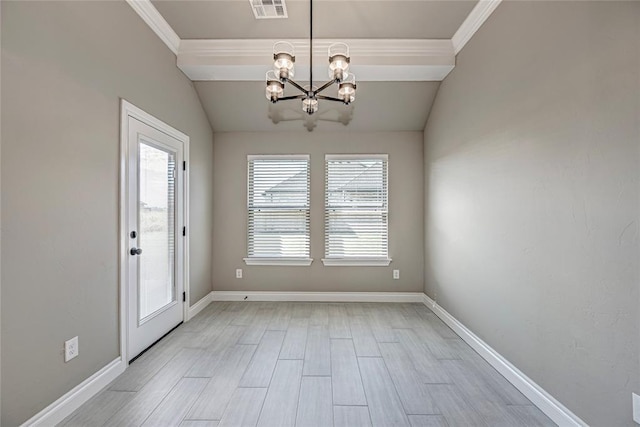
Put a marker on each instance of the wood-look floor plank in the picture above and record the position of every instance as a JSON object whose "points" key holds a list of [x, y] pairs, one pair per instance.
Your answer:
{"points": [[199, 423], [98, 410], [215, 396], [244, 408], [351, 416], [413, 394], [530, 416], [427, 421], [380, 325], [441, 348], [385, 406], [175, 405], [345, 374], [254, 332], [479, 394], [295, 341], [354, 309], [314, 404], [319, 315], [280, 318], [145, 401], [363, 339], [455, 408], [427, 366], [281, 403], [206, 365], [317, 358], [338, 322], [259, 371]]}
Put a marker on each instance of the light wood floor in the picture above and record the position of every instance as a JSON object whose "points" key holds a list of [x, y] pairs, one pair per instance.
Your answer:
{"points": [[310, 364]]}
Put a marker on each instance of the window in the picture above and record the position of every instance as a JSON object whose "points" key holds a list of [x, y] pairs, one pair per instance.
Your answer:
{"points": [[356, 210], [278, 210]]}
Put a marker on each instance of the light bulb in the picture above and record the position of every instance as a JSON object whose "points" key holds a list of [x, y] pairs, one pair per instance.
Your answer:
{"points": [[275, 88], [347, 89], [283, 57], [338, 61]]}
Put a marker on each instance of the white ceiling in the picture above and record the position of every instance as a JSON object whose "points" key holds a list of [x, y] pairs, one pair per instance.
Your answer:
{"points": [[388, 106], [386, 19], [401, 49]]}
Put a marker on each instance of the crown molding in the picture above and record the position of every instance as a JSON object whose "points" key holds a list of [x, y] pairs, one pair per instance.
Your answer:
{"points": [[482, 10], [375, 59], [156, 22]]}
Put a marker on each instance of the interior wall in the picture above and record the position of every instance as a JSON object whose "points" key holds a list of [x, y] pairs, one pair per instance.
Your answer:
{"points": [[532, 168], [406, 197], [65, 66]]}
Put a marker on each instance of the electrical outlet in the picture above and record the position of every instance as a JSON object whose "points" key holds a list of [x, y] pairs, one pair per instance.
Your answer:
{"points": [[71, 349], [636, 407], [238, 273], [396, 274]]}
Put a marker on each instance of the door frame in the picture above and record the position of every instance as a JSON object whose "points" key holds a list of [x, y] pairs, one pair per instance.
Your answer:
{"points": [[129, 110]]}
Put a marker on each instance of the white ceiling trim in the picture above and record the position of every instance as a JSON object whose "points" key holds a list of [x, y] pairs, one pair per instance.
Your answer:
{"points": [[156, 22], [482, 10], [374, 59]]}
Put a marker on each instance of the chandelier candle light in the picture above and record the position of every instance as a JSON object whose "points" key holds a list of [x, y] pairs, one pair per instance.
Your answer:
{"points": [[283, 72]]}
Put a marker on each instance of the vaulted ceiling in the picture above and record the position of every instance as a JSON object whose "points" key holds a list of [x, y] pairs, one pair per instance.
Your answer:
{"points": [[400, 51]]}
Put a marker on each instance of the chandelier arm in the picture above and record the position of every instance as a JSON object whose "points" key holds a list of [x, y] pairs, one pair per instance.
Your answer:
{"points": [[331, 98], [324, 86], [296, 85], [286, 98]]}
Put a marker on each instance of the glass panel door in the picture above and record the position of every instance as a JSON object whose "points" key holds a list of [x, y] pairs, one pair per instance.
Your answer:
{"points": [[156, 219]]}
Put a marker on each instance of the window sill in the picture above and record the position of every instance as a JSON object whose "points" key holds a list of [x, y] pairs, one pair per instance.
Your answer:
{"points": [[300, 262], [356, 262]]}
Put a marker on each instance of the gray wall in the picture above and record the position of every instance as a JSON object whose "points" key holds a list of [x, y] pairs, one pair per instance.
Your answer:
{"points": [[406, 197], [65, 67], [532, 210]]}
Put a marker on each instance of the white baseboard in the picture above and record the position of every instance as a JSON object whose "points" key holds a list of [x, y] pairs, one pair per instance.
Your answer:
{"points": [[200, 305], [72, 400], [536, 394], [318, 296]]}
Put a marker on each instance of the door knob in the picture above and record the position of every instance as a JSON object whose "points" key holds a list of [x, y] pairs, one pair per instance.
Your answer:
{"points": [[135, 251]]}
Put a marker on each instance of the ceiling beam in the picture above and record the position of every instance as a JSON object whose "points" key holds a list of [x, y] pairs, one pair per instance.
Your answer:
{"points": [[373, 59]]}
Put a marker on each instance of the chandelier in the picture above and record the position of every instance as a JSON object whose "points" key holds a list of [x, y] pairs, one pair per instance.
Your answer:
{"points": [[283, 72]]}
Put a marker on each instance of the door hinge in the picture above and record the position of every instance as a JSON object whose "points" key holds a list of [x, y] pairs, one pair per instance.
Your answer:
{"points": [[184, 231], [184, 166], [184, 297]]}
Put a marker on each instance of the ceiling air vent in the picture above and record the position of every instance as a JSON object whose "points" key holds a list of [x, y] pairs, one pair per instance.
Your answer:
{"points": [[268, 9]]}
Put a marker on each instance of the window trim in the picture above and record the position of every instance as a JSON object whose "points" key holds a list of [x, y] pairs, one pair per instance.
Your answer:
{"points": [[356, 261], [280, 261]]}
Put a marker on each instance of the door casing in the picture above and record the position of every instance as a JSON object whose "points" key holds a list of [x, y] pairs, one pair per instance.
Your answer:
{"points": [[129, 110]]}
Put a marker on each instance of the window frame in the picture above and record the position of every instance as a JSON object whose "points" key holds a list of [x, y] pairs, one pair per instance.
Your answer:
{"points": [[355, 261], [279, 261]]}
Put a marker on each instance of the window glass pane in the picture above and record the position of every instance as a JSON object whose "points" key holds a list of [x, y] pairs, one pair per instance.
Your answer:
{"points": [[278, 208], [356, 213]]}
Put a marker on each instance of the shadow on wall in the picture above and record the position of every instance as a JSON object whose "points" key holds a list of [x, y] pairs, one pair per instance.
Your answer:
{"points": [[287, 112]]}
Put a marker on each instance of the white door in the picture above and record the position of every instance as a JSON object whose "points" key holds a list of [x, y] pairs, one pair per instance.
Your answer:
{"points": [[155, 221]]}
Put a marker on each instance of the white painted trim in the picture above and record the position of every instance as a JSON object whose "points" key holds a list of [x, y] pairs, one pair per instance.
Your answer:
{"points": [[479, 14], [356, 262], [318, 296], [200, 305], [536, 394], [72, 400], [384, 157], [156, 22], [387, 48], [290, 262], [251, 157]]}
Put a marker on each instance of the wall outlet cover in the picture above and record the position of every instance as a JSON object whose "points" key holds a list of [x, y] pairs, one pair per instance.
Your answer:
{"points": [[238, 273], [636, 407], [396, 274], [71, 349]]}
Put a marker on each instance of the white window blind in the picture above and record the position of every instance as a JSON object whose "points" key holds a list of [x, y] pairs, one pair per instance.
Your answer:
{"points": [[278, 208], [356, 208]]}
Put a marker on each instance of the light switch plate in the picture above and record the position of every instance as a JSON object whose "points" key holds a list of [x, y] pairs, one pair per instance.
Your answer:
{"points": [[636, 407]]}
